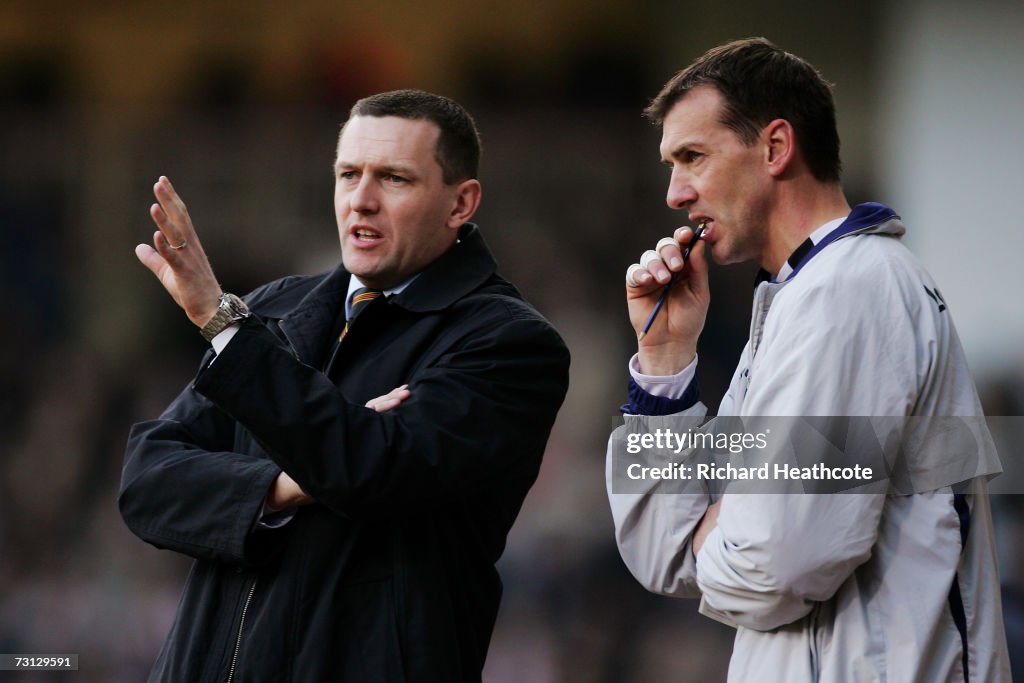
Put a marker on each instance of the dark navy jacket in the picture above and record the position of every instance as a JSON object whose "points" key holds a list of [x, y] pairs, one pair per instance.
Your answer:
{"points": [[390, 575]]}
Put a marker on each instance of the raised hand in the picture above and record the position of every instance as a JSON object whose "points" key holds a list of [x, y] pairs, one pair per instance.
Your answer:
{"points": [[177, 258]]}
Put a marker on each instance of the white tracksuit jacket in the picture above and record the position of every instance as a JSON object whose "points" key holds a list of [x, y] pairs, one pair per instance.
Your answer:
{"points": [[839, 588]]}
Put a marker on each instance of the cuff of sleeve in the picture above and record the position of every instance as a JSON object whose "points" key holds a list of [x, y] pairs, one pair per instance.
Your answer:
{"points": [[223, 337], [273, 519], [650, 395], [663, 386]]}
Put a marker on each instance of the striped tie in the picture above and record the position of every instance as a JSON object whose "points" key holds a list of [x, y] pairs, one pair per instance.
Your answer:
{"points": [[361, 298]]}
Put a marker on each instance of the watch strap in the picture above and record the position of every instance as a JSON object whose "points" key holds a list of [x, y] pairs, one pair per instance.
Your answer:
{"points": [[230, 310]]}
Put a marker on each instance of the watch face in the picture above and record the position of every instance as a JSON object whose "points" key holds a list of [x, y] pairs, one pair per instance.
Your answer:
{"points": [[238, 307]]}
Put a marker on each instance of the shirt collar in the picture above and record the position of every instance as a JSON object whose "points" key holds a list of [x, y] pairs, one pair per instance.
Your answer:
{"points": [[464, 268], [355, 283]]}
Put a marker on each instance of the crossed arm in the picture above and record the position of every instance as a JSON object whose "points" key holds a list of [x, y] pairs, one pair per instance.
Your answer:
{"points": [[287, 493]]}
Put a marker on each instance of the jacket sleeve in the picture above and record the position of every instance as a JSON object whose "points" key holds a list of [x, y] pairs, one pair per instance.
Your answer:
{"points": [[183, 487], [834, 350], [772, 556], [653, 529], [479, 417]]}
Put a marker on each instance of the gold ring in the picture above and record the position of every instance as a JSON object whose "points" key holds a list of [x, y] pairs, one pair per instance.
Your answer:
{"points": [[184, 243]]}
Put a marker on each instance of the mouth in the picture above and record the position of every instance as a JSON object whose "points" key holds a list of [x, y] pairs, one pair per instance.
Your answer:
{"points": [[706, 223], [364, 235]]}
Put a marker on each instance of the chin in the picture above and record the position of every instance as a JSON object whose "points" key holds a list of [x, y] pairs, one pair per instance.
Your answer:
{"points": [[372, 278], [368, 277], [358, 266], [718, 254], [724, 254]]}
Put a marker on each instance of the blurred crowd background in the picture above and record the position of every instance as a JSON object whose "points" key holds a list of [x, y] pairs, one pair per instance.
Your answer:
{"points": [[240, 104]]}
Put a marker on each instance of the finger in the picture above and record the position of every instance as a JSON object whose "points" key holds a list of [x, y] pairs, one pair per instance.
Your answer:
{"points": [[671, 254], [171, 233], [651, 261], [172, 256], [697, 263], [149, 257], [174, 209], [169, 198], [633, 275], [684, 236], [390, 399], [399, 394], [397, 391], [638, 279], [156, 212], [383, 405]]}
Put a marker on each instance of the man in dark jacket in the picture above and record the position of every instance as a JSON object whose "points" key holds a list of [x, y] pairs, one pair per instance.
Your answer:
{"points": [[346, 485]]}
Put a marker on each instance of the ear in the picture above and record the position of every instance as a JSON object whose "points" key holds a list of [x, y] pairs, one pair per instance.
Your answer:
{"points": [[779, 146], [467, 199]]}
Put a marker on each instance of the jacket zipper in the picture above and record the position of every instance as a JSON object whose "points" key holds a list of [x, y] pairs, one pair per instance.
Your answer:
{"points": [[241, 625]]}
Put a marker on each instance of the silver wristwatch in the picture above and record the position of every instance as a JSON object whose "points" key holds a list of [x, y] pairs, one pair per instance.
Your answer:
{"points": [[230, 310]]}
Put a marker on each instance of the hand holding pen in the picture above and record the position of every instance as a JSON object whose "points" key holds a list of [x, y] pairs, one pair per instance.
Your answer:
{"points": [[664, 293], [668, 296]]}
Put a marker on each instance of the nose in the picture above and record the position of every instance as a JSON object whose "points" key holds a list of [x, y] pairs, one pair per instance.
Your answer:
{"points": [[680, 191], [363, 199]]}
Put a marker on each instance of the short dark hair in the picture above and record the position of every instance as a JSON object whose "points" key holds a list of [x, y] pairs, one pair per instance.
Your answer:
{"points": [[458, 145], [760, 82]]}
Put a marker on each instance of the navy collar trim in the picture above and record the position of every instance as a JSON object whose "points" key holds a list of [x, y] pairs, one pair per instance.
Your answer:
{"points": [[862, 216]]}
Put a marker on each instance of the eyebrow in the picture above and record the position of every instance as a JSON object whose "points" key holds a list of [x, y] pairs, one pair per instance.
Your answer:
{"points": [[389, 169], [677, 153]]}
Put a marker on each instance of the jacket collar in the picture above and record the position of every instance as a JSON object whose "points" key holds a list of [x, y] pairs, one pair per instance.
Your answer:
{"points": [[867, 218], [459, 271], [308, 325]]}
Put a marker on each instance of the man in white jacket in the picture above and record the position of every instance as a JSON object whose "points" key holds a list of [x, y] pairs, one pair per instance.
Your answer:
{"points": [[889, 584]]}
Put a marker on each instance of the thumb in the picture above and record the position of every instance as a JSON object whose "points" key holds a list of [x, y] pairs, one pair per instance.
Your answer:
{"points": [[149, 257], [698, 265]]}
